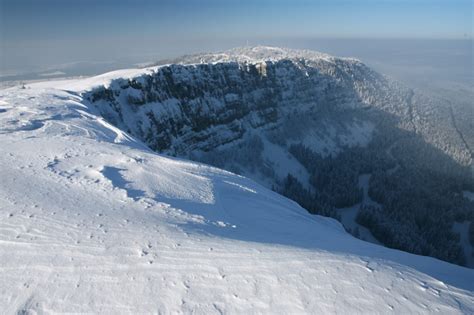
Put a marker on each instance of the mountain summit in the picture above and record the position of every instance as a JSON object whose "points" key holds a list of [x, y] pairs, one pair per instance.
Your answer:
{"points": [[255, 54]]}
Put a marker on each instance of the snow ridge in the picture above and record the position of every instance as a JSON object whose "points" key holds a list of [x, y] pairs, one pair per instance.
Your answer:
{"points": [[258, 54]]}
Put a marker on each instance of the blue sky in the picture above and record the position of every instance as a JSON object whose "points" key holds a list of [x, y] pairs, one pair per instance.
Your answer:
{"points": [[46, 19], [44, 31]]}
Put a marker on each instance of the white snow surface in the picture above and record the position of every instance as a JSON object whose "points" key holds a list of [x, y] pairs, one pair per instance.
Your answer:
{"points": [[258, 54], [93, 221]]}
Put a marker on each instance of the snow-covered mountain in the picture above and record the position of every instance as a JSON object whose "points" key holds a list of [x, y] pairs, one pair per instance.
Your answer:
{"points": [[95, 221], [202, 101], [330, 133]]}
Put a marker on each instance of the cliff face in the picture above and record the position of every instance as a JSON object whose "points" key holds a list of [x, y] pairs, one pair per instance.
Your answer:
{"points": [[181, 108], [329, 133], [210, 102]]}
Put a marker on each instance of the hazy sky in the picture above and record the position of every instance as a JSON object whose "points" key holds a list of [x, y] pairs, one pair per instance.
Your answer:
{"points": [[38, 33]]}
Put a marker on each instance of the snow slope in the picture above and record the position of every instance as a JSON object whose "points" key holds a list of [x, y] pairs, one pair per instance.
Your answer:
{"points": [[93, 221]]}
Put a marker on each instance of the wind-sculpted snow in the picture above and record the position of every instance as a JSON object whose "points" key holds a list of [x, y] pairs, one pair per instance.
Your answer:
{"points": [[94, 221]]}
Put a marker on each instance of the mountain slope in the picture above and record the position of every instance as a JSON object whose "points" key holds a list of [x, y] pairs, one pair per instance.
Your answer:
{"points": [[312, 127], [94, 221]]}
